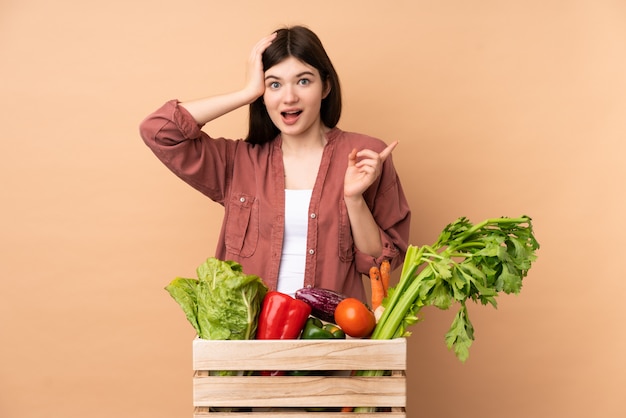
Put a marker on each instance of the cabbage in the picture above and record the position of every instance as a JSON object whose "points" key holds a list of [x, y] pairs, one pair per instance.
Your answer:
{"points": [[223, 303]]}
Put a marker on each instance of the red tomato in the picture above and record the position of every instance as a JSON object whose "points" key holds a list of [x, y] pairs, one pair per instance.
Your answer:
{"points": [[354, 318]]}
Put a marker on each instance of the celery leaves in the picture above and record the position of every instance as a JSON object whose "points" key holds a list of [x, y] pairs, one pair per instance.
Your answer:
{"points": [[467, 262]]}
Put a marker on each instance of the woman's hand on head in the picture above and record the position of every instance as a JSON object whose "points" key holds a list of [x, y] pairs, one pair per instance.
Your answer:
{"points": [[209, 108], [255, 83], [364, 167]]}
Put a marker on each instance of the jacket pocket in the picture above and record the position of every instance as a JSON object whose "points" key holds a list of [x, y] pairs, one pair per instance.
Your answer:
{"points": [[346, 243], [242, 225]]}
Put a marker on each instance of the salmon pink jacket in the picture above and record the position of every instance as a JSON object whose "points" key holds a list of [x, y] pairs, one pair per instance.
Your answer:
{"points": [[248, 181]]}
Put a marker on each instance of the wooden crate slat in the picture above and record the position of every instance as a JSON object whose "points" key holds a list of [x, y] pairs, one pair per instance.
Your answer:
{"points": [[287, 396], [350, 354], [202, 412], [299, 391]]}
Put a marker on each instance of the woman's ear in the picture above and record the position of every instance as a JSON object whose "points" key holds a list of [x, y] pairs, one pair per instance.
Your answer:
{"points": [[326, 90]]}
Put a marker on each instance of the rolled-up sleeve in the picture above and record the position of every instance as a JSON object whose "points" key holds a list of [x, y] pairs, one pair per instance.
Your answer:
{"points": [[178, 141], [168, 126], [392, 213]]}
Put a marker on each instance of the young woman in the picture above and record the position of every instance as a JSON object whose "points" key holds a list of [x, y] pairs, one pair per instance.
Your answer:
{"points": [[306, 204]]}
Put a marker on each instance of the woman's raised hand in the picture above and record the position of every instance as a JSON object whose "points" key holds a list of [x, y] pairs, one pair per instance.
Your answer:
{"points": [[209, 108], [362, 173], [255, 83]]}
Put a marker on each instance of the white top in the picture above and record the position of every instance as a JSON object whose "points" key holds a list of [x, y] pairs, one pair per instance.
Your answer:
{"points": [[293, 260]]}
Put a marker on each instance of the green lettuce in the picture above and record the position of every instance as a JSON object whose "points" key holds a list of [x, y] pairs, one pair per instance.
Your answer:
{"points": [[223, 303]]}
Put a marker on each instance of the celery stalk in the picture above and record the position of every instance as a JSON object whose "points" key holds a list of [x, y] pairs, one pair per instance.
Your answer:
{"points": [[467, 262], [474, 262]]}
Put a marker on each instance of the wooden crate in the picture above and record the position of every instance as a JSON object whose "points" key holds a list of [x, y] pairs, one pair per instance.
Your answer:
{"points": [[290, 396]]}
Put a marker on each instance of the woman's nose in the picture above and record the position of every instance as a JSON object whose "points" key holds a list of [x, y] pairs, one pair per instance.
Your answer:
{"points": [[290, 94]]}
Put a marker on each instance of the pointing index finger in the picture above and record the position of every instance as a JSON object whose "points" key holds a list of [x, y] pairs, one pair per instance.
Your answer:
{"points": [[387, 151]]}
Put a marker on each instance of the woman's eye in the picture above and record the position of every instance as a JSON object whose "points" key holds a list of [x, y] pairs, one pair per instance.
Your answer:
{"points": [[304, 82], [274, 85]]}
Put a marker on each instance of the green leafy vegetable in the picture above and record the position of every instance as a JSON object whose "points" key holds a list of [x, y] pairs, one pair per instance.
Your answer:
{"points": [[223, 303], [467, 262]]}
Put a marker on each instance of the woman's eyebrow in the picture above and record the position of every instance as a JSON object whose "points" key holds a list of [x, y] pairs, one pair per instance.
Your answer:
{"points": [[297, 75]]}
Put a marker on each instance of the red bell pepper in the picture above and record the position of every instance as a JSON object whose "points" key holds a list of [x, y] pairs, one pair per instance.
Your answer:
{"points": [[282, 317]]}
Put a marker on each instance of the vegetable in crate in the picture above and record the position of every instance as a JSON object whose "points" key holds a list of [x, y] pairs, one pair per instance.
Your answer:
{"points": [[315, 329], [223, 303], [282, 317], [379, 282], [323, 302], [354, 318], [467, 263]]}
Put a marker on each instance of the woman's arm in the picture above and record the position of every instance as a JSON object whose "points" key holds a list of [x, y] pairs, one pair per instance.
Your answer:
{"points": [[208, 109], [359, 176]]}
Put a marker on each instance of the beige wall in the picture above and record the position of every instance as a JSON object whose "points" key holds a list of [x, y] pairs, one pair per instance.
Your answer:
{"points": [[501, 108]]}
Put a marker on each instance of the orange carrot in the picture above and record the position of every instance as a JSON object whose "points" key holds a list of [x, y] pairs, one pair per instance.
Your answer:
{"points": [[378, 292], [385, 275]]}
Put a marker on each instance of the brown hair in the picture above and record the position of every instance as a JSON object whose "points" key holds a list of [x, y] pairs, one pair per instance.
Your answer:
{"points": [[301, 43]]}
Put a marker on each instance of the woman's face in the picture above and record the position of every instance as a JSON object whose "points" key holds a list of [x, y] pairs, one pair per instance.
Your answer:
{"points": [[293, 96]]}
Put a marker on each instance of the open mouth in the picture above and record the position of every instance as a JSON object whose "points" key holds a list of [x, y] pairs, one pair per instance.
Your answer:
{"points": [[291, 117], [291, 114]]}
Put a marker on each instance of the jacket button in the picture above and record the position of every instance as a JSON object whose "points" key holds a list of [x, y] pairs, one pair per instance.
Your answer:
{"points": [[242, 199], [311, 251], [313, 216]]}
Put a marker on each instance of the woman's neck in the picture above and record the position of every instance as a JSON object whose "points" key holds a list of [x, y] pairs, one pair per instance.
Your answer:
{"points": [[314, 139], [301, 159]]}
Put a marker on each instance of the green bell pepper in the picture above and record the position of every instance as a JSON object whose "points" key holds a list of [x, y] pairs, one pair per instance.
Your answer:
{"points": [[337, 332], [314, 329]]}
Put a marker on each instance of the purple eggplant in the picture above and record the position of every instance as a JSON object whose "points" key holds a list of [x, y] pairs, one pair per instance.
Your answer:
{"points": [[323, 302]]}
